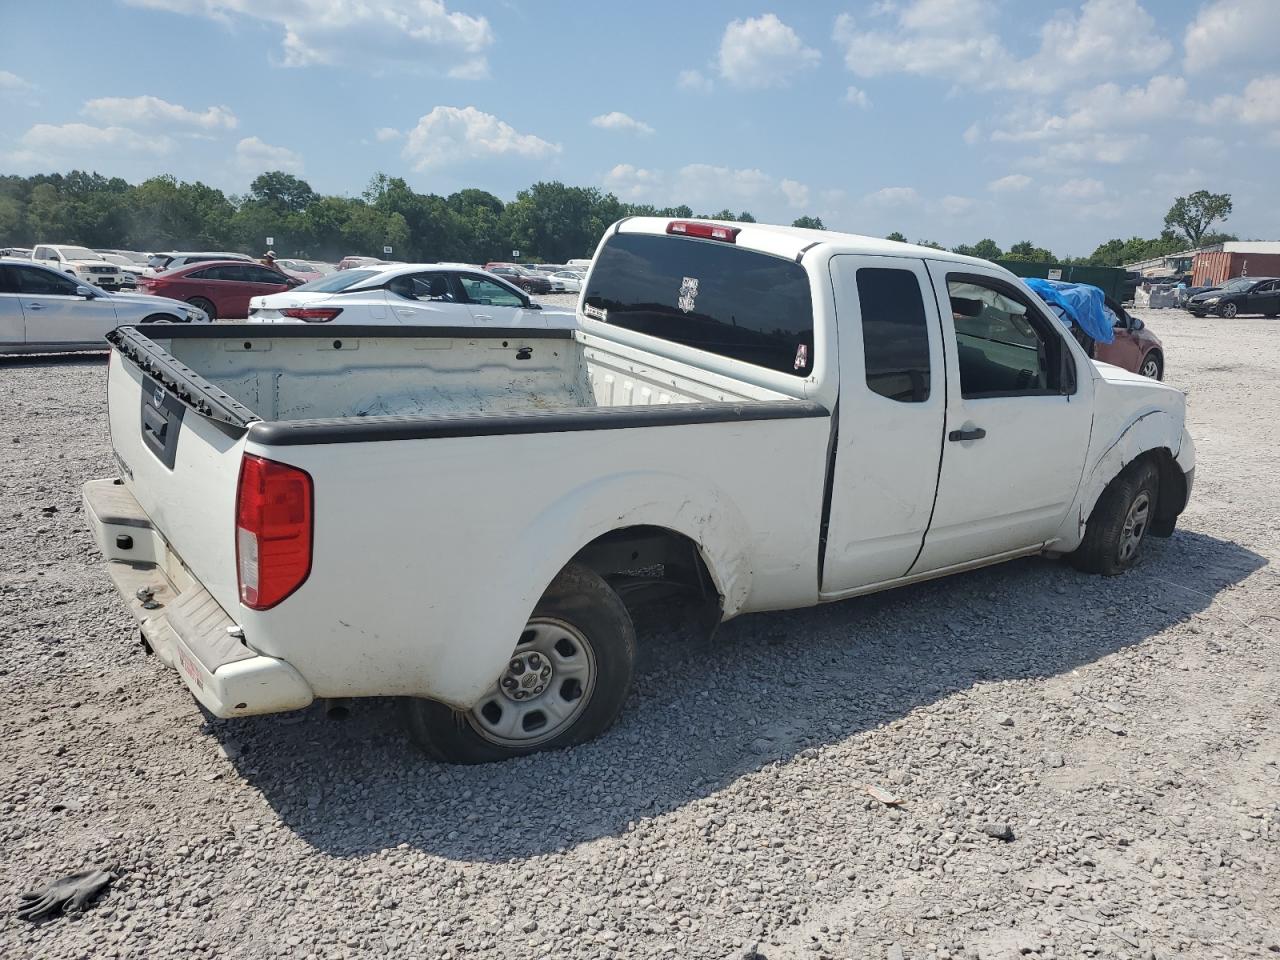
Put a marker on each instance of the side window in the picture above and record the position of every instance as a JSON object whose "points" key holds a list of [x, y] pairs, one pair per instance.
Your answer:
{"points": [[895, 334], [487, 292], [40, 253], [423, 286], [262, 275], [45, 283], [8, 280], [204, 274], [1004, 347], [229, 272]]}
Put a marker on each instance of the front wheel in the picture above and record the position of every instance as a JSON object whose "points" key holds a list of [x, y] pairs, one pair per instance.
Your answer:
{"points": [[1152, 366], [159, 318], [1118, 525], [205, 305], [563, 684], [1228, 311]]}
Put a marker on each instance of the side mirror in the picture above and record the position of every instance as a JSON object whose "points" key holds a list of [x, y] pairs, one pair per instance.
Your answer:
{"points": [[530, 305], [86, 292], [1137, 324]]}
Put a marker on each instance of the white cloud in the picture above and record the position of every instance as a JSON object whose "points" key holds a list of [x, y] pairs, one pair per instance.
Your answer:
{"points": [[1232, 31], [12, 83], [797, 194], [617, 120], [386, 134], [972, 133], [254, 156], [955, 206], [1079, 189], [705, 187], [893, 197], [48, 146], [763, 52], [1104, 107], [694, 80], [455, 134], [152, 111], [1258, 105], [1010, 184], [356, 32], [958, 41], [857, 97]]}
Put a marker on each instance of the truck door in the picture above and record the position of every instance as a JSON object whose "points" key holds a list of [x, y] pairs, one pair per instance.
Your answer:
{"points": [[1019, 415], [892, 412]]}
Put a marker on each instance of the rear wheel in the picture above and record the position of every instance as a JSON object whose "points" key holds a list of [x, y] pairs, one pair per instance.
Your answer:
{"points": [[1118, 526], [1228, 311], [205, 305], [564, 683], [1152, 366]]}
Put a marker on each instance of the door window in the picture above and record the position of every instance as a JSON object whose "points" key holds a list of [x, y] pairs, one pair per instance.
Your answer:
{"points": [[261, 275], [423, 286], [41, 253], [45, 283], [1004, 346], [487, 292], [895, 335], [8, 280]]}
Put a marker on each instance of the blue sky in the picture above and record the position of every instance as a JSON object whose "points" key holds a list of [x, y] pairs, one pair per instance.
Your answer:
{"points": [[1063, 122]]}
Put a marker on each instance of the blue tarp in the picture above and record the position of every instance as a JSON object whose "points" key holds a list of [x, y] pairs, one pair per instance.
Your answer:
{"points": [[1082, 303]]}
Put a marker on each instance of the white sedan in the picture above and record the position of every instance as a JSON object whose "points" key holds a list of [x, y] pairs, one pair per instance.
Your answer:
{"points": [[45, 311], [570, 280], [422, 294]]}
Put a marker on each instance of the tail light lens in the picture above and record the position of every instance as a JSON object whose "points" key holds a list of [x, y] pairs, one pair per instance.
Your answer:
{"points": [[312, 314], [704, 231], [273, 531]]}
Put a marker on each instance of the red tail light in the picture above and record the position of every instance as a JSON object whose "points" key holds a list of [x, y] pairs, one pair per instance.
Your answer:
{"points": [[704, 231], [273, 531], [312, 314]]}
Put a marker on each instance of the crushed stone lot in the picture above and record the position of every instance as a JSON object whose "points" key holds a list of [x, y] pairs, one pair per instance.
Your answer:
{"points": [[1020, 761]]}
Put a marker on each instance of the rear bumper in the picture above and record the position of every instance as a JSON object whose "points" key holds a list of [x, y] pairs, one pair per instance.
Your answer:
{"points": [[185, 626]]}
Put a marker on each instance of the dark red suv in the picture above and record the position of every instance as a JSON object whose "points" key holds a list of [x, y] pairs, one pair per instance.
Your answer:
{"points": [[221, 288]]}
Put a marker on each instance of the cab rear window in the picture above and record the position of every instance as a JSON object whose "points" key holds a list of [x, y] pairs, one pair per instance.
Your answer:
{"points": [[708, 295]]}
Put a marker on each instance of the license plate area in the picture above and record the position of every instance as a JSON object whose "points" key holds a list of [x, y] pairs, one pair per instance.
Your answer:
{"points": [[161, 421]]}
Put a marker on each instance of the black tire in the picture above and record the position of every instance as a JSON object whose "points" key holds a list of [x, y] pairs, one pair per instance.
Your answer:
{"points": [[1152, 366], [204, 305], [160, 318], [1228, 311], [581, 600], [1108, 547]]}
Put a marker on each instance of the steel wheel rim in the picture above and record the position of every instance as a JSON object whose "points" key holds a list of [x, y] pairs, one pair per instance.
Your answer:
{"points": [[547, 683], [1135, 525], [1150, 368]]}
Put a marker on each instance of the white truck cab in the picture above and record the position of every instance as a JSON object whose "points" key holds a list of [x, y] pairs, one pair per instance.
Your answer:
{"points": [[746, 417], [79, 262]]}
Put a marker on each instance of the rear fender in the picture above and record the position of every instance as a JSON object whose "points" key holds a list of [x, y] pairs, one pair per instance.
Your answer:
{"points": [[552, 538]]}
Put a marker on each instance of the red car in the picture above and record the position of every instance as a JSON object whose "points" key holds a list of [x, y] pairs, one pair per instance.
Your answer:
{"points": [[1135, 348], [220, 288]]}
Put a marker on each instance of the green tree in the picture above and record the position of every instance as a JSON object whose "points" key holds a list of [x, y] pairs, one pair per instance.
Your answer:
{"points": [[930, 243], [897, 236], [1026, 250], [727, 214], [1196, 212], [809, 223], [984, 249], [281, 191]]}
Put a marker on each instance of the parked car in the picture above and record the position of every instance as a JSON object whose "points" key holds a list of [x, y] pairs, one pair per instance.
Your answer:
{"points": [[347, 263], [43, 310], [582, 265], [79, 262], [570, 281], [128, 269], [135, 257], [300, 270], [159, 263], [744, 417], [1241, 295], [221, 288], [21, 253], [524, 279], [1135, 347], [432, 294]]}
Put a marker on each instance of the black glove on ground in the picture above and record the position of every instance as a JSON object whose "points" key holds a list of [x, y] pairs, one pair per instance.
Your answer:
{"points": [[71, 892]]}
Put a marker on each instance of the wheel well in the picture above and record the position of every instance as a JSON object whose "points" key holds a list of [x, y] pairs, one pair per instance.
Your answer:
{"points": [[1173, 491], [646, 564]]}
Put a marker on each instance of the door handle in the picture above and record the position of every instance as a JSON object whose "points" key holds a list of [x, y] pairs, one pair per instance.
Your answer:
{"points": [[35, 306], [481, 316], [973, 433]]}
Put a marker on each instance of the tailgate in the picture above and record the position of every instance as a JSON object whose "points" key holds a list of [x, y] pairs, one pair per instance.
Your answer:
{"points": [[178, 445]]}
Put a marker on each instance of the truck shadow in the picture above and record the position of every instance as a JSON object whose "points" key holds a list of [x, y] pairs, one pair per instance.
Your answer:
{"points": [[702, 715], [83, 358]]}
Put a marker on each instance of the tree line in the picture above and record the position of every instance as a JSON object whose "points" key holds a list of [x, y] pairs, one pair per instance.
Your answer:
{"points": [[548, 221]]}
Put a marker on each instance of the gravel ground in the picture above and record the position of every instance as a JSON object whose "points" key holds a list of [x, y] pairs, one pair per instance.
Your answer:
{"points": [[1085, 767]]}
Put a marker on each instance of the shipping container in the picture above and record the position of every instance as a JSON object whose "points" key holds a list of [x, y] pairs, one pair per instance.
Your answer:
{"points": [[1110, 280], [1215, 267]]}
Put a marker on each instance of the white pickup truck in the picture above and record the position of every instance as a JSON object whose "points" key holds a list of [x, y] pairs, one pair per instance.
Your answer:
{"points": [[753, 417]]}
